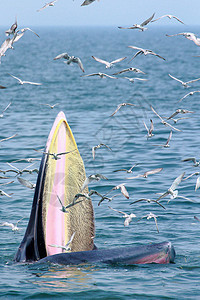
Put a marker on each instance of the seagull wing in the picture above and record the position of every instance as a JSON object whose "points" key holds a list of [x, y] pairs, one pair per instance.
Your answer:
{"points": [[119, 211], [177, 19], [175, 78], [101, 60], [124, 191], [193, 80], [151, 172], [118, 60], [62, 55], [177, 181], [197, 183], [106, 75], [15, 77], [118, 107], [71, 239], [151, 127], [169, 138], [193, 159], [26, 183], [27, 28], [148, 20], [32, 83], [78, 61]]}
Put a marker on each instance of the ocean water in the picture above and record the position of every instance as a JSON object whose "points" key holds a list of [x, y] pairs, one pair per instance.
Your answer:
{"points": [[88, 103]]}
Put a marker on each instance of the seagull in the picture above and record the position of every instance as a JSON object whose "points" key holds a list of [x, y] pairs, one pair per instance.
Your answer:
{"points": [[144, 51], [122, 189], [30, 159], [168, 16], [172, 190], [66, 247], [166, 145], [108, 64], [26, 183], [97, 147], [76, 197], [150, 130], [7, 44], [2, 114], [51, 106], [87, 2], [12, 28], [101, 75], [127, 170], [63, 209], [149, 201], [121, 105], [149, 216], [8, 138], [128, 218], [147, 173], [22, 82], [132, 80], [188, 35], [178, 119], [185, 84], [2, 87], [48, 4], [130, 70], [75, 60], [196, 218], [188, 94], [193, 159], [91, 178], [141, 26], [14, 227], [163, 121], [20, 172], [180, 111], [2, 193], [55, 155], [104, 197]]}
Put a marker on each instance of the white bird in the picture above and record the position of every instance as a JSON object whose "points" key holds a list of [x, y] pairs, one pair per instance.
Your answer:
{"points": [[148, 200], [145, 52], [55, 156], [188, 94], [172, 190], [2, 193], [141, 26], [87, 2], [132, 80], [101, 75], [128, 217], [147, 173], [185, 84], [91, 178], [51, 106], [66, 247], [121, 105], [166, 145], [76, 60], [180, 111], [149, 216], [14, 227], [97, 147], [168, 16], [188, 35], [47, 5], [26, 183], [163, 121], [12, 29], [2, 114], [131, 69], [22, 82], [7, 44], [127, 170], [150, 130], [193, 159], [108, 64]]}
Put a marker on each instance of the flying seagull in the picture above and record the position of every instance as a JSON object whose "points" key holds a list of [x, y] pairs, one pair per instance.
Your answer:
{"points": [[193, 159], [163, 121], [147, 200], [131, 69], [108, 64], [166, 145], [128, 217], [147, 173], [101, 75], [14, 227], [22, 82], [2, 114], [70, 59], [188, 35], [188, 94], [8, 138], [121, 105], [141, 26], [172, 190], [66, 247], [127, 170], [55, 156], [145, 52], [150, 130], [49, 105], [26, 183], [91, 178], [132, 80], [97, 147], [168, 16], [12, 29], [185, 84], [47, 5], [180, 111], [87, 2], [149, 216]]}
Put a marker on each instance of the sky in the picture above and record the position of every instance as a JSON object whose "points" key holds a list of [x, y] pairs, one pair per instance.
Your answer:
{"points": [[99, 13]]}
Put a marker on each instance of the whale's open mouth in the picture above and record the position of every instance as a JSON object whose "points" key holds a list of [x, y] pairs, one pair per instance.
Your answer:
{"points": [[50, 227]]}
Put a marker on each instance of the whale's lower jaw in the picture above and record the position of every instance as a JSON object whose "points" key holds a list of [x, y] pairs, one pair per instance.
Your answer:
{"points": [[161, 253]]}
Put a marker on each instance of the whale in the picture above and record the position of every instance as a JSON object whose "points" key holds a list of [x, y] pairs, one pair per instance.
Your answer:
{"points": [[61, 176]]}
